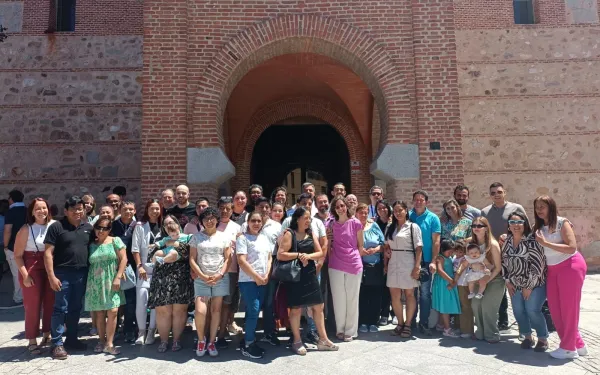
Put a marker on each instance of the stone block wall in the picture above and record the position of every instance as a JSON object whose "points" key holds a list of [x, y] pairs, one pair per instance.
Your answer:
{"points": [[70, 102]]}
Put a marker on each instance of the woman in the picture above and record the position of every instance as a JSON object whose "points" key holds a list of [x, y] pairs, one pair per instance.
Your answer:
{"points": [[103, 294], [105, 211], [345, 268], [455, 226], [278, 212], [371, 287], [524, 270], [210, 254], [555, 234], [89, 204], [384, 216], [486, 309], [300, 243], [145, 233], [29, 256], [171, 291], [239, 214], [404, 251]]}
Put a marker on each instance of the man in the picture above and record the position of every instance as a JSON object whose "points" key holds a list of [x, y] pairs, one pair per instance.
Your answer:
{"points": [[66, 262], [352, 203], [431, 229], [255, 191], [167, 199], [239, 214], [123, 228], [184, 210], [497, 215], [338, 189], [194, 226], [307, 188], [114, 201], [13, 221], [461, 194], [375, 194]]}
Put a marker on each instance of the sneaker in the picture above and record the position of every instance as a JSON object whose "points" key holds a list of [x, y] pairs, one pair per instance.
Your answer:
{"points": [[212, 350], [471, 295], [425, 330], [75, 345], [93, 331], [190, 321], [582, 351], [478, 296], [59, 352], [503, 327], [383, 321], [450, 333], [312, 337], [141, 338], [465, 335], [271, 339], [561, 353], [363, 328], [252, 351], [160, 260], [201, 349], [16, 303], [373, 328], [521, 338], [395, 321], [439, 328], [221, 343]]}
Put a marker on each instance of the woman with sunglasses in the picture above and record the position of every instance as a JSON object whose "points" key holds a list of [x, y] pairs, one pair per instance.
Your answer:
{"points": [[566, 273], [524, 270], [103, 294], [486, 309]]}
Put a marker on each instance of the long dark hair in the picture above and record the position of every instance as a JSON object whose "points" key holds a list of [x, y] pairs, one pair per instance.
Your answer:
{"points": [[526, 225], [389, 233], [389, 210], [146, 217], [300, 211]]}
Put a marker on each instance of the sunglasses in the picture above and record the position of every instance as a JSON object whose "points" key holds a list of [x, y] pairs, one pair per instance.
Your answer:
{"points": [[478, 226], [230, 197], [516, 222], [102, 229]]}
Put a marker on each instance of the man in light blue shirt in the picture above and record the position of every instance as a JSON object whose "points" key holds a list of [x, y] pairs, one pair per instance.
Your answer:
{"points": [[431, 229]]}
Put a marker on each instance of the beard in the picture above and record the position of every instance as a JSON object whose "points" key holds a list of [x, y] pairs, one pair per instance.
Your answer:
{"points": [[324, 210], [462, 201]]}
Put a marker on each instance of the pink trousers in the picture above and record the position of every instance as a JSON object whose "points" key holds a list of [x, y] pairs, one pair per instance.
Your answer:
{"points": [[563, 287]]}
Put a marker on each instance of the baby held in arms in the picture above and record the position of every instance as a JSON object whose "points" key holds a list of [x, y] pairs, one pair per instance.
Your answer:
{"points": [[479, 267], [175, 238]]}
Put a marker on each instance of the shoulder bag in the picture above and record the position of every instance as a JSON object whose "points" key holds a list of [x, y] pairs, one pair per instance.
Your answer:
{"points": [[128, 280], [288, 271]]}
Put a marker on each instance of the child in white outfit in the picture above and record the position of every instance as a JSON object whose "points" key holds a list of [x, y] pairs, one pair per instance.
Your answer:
{"points": [[479, 267]]}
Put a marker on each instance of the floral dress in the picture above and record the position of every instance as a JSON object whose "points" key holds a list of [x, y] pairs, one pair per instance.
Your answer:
{"points": [[172, 283], [104, 264], [458, 231]]}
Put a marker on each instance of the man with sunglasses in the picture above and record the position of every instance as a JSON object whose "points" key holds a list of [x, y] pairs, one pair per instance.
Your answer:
{"points": [[66, 261], [376, 194], [497, 215]]}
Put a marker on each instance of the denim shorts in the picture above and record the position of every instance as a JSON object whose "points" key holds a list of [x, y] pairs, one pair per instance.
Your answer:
{"points": [[221, 289]]}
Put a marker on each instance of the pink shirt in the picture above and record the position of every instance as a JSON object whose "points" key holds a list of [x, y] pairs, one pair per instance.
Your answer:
{"points": [[344, 252]]}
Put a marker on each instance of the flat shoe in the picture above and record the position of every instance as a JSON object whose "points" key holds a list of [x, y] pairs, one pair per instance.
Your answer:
{"points": [[541, 347], [111, 350], [99, 348], [327, 346], [34, 349], [527, 344], [298, 348]]}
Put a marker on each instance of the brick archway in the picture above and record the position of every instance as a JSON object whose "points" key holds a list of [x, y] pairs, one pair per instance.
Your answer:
{"points": [[302, 33], [319, 108]]}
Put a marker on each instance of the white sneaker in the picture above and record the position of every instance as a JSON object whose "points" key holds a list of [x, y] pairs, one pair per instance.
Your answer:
{"points": [[201, 348], [141, 338], [465, 335], [561, 353], [471, 295], [582, 351], [212, 350], [478, 296], [151, 336], [395, 321]]}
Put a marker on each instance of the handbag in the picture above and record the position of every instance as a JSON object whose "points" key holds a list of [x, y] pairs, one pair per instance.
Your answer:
{"points": [[287, 271], [424, 274], [128, 280]]}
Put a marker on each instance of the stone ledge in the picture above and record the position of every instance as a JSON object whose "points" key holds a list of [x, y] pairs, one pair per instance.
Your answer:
{"points": [[208, 165], [397, 162]]}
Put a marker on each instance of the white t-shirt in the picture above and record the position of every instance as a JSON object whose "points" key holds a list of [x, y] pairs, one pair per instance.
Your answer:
{"points": [[316, 226], [554, 257], [211, 251], [257, 249], [231, 229], [271, 229]]}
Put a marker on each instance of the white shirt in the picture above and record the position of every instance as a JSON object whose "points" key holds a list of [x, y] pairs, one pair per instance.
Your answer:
{"points": [[401, 239], [554, 257], [210, 251], [36, 235], [231, 229], [257, 249]]}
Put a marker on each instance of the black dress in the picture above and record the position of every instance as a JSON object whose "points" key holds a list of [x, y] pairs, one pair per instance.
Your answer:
{"points": [[171, 282], [307, 291]]}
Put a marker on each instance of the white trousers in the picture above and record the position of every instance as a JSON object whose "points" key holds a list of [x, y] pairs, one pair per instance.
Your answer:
{"points": [[141, 307], [345, 289], [14, 270]]}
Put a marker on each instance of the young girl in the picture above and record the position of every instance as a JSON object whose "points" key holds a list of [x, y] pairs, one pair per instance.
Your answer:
{"points": [[465, 319], [479, 267], [444, 294], [169, 255]]}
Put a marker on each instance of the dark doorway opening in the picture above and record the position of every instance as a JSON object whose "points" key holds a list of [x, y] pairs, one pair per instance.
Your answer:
{"points": [[318, 151]]}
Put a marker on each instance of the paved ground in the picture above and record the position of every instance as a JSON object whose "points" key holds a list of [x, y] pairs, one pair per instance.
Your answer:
{"points": [[374, 353]]}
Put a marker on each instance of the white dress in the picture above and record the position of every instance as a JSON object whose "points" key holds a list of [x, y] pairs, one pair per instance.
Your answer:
{"points": [[402, 262], [471, 274]]}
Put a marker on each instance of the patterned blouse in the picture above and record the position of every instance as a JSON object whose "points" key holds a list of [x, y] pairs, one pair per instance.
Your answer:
{"points": [[458, 231], [525, 265]]}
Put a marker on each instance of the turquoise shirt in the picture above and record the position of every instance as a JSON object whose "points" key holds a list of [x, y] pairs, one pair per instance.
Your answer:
{"points": [[429, 224], [372, 237], [460, 231]]}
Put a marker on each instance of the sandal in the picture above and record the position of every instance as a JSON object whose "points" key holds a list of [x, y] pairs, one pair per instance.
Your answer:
{"points": [[406, 332], [99, 348], [176, 346], [111, 350], [298, 348], [45, 341], [163, 347], [398, 330], [234, 329], [327, 346], [348, 338], [34, 349], [340, 336]]}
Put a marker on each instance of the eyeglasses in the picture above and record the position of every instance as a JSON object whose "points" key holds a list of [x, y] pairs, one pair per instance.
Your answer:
{"points": [[256, 221], [102, 229], [375, 194], [478, 226], [516, 222], [492, 193]]}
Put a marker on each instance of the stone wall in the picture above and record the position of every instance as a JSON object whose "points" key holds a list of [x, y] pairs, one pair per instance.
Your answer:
{"points": [[70, 115], [530, 116]]}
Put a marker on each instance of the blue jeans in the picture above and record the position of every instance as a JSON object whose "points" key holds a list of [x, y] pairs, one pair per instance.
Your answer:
{"points": [[253, 296], [269, 308], [529, 313], [67, 302], [425, 302], [129, 321]]}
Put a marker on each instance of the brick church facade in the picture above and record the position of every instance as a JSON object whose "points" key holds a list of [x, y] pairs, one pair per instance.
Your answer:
{"points": [[424, 94]]}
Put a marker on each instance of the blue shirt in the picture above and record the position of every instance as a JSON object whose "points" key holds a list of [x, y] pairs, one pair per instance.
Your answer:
{"points": [[429, 224], [372, 237]]}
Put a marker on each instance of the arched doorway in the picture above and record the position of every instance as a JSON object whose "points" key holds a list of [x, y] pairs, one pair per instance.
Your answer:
{"points": [[317, 150]]}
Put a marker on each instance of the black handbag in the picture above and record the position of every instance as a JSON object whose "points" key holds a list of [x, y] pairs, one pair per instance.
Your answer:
{"points": [[288, 271], [424, 274]]}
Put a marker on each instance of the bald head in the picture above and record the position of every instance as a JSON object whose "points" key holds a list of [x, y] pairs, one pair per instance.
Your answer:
{"points": [[183, 196]]}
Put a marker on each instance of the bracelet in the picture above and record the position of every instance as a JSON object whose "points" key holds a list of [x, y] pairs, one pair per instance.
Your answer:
{"points": [[139, 265]]}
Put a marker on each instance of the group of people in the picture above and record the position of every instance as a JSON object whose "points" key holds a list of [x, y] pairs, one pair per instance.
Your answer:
{"points": [[347, 265]]}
